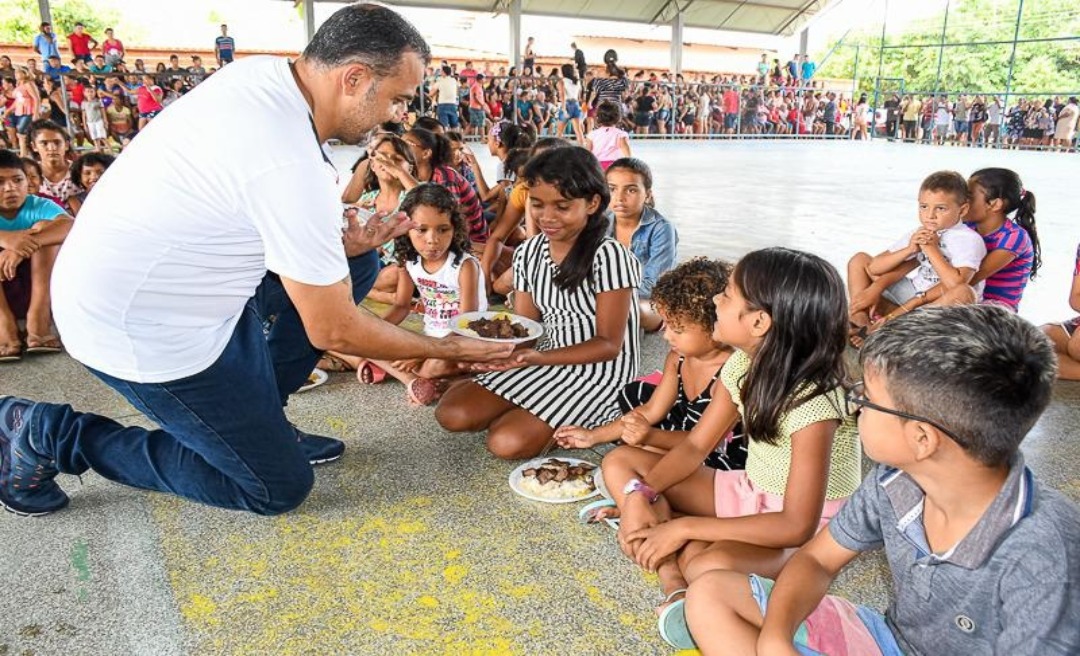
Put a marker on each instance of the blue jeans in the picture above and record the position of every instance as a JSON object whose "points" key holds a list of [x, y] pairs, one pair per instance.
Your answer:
{"points": [[224, 439], [447, 114]]}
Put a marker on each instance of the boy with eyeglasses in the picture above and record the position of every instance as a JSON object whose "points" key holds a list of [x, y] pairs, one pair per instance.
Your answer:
{"points": [[983, 558]]}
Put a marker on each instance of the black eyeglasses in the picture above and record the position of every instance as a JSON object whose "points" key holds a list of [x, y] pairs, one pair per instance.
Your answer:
{"points": [[856, 400]]}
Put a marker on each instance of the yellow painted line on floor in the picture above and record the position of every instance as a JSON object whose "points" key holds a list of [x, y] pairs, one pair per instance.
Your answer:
{"points": [[397, 578]]}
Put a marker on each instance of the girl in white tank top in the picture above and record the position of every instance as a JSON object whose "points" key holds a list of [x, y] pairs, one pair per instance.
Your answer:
{"points": [[435, 254]]}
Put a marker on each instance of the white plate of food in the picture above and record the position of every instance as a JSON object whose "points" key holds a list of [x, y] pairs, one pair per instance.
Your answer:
{"points": [[555, 480], [315, 378], [497, 327]]}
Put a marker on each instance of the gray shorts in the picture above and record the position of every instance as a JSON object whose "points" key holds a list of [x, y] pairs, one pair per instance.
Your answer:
{"points": [[900, 292]]}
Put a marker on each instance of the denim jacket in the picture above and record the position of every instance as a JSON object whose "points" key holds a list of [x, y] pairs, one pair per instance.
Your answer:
{"points": [[654, 244]]}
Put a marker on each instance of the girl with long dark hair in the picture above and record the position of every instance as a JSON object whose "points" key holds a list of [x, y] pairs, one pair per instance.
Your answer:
{"points": [[580, 285], [1013, 254], [785, 314]]}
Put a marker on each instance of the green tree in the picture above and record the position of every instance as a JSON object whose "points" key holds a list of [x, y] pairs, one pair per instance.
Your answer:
{"points": [[1039, 67], [19, 19]]}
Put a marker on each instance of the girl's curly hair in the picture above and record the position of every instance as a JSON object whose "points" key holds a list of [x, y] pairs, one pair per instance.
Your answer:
{"points": [[685, 294], [438, 197]]}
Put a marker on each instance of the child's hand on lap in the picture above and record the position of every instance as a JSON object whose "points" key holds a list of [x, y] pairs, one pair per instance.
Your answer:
{"points": [[22, 243], [636, 515], [575, 437], [9, 262], [657, 543]]}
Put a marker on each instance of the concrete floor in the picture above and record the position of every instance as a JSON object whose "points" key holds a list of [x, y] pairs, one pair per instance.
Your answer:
{"points": [[413, 542]]}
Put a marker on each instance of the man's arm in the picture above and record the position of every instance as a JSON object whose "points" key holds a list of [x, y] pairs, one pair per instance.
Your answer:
{"points": [[333, 323]]}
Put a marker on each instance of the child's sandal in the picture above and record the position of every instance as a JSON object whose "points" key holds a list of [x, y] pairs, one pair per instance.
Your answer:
{"points": [[672, 623], [370, 373], [422, 391], [595, 512]]}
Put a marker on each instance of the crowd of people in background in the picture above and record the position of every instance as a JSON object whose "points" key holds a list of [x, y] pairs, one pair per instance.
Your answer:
{"points": [[778, 100], [99, 97], [782, 100]]}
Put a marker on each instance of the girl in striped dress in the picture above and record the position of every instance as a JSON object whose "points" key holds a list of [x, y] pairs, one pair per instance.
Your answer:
{"points": [[581, 286]]}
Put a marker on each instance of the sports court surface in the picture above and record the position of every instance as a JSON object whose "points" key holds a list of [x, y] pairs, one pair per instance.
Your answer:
{"points": [[413, 542]]}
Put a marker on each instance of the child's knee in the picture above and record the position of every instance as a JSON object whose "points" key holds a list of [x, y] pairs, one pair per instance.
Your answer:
{"points": [[960, 295], [717, 594], [715, 558], [620, 458], [859, 262], [453, 416], [512, 445]]}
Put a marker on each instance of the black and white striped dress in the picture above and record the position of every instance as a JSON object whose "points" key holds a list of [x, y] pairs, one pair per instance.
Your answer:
{"points": [[583, 394]]}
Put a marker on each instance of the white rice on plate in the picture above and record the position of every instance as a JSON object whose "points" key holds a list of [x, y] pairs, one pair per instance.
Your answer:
{"points": [[569, 489]]}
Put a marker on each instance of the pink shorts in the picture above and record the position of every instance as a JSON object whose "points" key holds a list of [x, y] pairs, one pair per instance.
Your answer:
{"points": [[736, 496]]}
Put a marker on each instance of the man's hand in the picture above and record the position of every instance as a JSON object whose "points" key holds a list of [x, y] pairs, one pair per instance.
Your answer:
{"points": [[359, 239], [22, 242], [464, 349], [9, 262]]}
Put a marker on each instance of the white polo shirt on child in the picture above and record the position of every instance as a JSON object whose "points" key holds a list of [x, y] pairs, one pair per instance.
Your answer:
{"points": [[227, 182], [961, 246]]}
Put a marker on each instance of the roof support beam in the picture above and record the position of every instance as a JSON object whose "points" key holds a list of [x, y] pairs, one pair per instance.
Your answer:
{"points": [[309, 21], [677, 25], [515, 34], [798, 14], [663, 9]]}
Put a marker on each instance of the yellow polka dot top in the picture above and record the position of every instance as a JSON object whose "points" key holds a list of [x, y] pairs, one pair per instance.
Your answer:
{"points": [[767, 465]]}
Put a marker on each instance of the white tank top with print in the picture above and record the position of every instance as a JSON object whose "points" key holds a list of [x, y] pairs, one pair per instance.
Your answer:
{"points": [[440, 292]]}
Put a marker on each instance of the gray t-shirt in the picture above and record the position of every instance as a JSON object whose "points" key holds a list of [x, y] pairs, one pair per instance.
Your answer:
{"points": [[1011, 586]]}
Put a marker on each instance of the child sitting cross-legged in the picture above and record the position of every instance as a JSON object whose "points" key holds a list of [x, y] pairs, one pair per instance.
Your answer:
{"points": [[784, 313], [984, 559], [31, 231], [435, 256], [659, 417], [941, 255]]}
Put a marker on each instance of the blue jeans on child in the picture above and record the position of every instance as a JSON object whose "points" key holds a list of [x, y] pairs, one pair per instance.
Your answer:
{"points": [[224, 439]]}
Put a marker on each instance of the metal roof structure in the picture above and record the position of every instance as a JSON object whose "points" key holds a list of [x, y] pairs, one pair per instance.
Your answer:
{"points": [[775, 17]]}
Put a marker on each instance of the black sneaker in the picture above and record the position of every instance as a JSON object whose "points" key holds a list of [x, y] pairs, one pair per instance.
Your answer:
{"points": [[27, 487], [319, 449]]}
